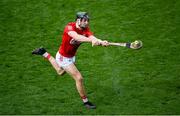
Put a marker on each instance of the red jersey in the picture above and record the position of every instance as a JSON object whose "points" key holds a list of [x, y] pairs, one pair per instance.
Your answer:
{"points": [[69, 45]]}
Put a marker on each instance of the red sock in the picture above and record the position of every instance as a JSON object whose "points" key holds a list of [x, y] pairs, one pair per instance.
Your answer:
{"points": [[47, 55], [84, 99]]}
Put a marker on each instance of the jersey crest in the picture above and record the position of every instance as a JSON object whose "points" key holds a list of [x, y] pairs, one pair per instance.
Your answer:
{"points": [[74, 42]]}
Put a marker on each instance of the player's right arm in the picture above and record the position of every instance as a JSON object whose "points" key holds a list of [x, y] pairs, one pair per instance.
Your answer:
{"points": [[82, 38]]}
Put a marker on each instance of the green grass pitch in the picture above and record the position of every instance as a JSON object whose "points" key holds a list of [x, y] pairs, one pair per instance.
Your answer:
{"points": [[118, 80]]}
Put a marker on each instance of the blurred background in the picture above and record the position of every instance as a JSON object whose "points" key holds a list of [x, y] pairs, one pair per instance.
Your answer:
{"points": [[118, 80]]}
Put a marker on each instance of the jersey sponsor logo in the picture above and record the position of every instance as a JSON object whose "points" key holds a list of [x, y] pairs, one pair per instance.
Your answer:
{"points": [[74, 42]]}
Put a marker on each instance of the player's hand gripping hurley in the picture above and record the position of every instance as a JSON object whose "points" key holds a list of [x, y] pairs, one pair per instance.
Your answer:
{"points": [[133, 45]]}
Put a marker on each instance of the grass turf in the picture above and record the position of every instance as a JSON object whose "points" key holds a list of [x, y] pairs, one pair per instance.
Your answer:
{"points": [[117, 80]]}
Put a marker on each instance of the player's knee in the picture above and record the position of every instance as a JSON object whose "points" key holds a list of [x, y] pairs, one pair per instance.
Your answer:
{"points": [[78, 77], [60, 72]]}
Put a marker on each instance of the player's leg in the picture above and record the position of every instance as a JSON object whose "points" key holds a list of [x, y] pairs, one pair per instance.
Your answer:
{"points": [[45, 54], [74, 72], [58, 69]]}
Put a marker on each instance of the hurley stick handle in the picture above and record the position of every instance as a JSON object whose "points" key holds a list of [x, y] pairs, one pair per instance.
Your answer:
{"points": [[117, 44]]}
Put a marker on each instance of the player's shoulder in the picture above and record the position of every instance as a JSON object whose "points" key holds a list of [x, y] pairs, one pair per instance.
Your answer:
{"points": [[71, 24]]}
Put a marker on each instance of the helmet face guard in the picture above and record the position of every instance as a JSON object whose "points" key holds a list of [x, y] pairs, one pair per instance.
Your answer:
{"points": [[82, 15]]}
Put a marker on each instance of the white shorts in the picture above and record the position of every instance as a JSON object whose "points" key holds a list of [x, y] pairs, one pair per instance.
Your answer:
{"points": [[64, 61]]}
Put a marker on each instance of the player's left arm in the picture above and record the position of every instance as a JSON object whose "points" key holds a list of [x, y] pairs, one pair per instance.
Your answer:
{"points": [[101, 42]]}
